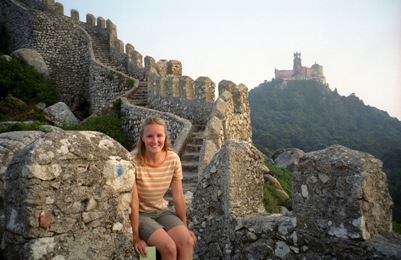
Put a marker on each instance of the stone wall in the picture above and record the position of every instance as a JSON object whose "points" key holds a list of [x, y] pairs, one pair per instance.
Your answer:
{"points": [[169, 91], [83, 83], [67, 195], [178, 129], [17, 22], [106, 85], [347, 193], [342, 208], [230, 119], [65, 49]]}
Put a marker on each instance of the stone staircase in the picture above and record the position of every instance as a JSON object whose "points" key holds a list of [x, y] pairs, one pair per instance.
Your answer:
{"points": [[190, 163], [190, 159], [140, 96], [101, 50]]}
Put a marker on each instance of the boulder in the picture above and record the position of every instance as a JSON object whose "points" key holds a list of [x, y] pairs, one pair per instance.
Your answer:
{"points": [[5, 58], [10, 144], [347, 193], [287, 158], [32, 57], [60, 114], [67, 196]]}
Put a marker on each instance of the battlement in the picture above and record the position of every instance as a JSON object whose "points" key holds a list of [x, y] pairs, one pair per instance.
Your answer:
{"points": [[124, 57], [170, 91]]}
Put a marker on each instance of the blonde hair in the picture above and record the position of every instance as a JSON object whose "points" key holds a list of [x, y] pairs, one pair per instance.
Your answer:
{"points": [[140, 151]]}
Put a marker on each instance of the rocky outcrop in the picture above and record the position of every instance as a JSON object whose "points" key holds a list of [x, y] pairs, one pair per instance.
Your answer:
{"points": [[10, 144], [67, 195], [347, 193], [5, 58], [60, 114], [33, 58], [287, 158]]}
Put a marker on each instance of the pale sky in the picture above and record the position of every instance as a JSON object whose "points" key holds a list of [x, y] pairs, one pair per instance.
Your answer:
{"points": [[358, 42]]}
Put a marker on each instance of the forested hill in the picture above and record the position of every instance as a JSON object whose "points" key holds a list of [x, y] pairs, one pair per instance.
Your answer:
{"points": [[306, 114]]}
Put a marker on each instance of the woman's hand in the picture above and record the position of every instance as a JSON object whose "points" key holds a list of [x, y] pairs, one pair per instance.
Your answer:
{"points": [[140, 247]]}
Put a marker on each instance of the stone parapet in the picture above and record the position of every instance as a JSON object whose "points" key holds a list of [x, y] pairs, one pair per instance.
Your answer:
{"points": [[229, 119], [347, 193], [178, 129], [342, 209], [106, 85], [171, 92]]}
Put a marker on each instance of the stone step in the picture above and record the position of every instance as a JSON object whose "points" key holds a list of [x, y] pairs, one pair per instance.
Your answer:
{"points": [[193, 147], [190, 163], [190, 166], [140, 96], [197, 141], [190, 176], [101, 51], [190, 156]]}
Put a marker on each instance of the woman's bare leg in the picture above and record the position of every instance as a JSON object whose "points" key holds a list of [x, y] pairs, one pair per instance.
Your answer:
{"points": [[164, 244], [183, 241]]}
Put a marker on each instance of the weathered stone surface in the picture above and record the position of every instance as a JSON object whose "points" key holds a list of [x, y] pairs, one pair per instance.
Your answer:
{"points": [[68, 195], [321, 227], [287, 158], [345, 190], [229, 120], [10, 144], [31, 57], [60, 114], [230, 188]]}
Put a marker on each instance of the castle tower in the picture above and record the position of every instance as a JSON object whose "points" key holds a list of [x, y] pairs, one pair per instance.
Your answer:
{"points": [[297, 64]]}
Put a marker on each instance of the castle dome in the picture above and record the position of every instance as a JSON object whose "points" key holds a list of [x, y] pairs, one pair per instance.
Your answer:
{"points": [[315, 66]]}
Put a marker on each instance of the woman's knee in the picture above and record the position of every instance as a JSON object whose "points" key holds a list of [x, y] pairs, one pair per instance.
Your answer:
{"points": [[168, 250], [185, 241]]}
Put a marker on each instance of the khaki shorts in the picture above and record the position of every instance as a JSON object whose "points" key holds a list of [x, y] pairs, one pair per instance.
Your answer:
{"points": [[149, 222]]}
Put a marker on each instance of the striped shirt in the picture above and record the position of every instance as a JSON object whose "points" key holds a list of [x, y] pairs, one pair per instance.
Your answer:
{"points": [[153, 182]]}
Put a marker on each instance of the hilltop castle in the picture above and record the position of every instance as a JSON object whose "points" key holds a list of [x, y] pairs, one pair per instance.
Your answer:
{"points": [[301, 72]]}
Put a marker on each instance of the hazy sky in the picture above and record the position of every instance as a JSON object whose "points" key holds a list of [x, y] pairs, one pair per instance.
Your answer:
{"points": [[357, 42]]}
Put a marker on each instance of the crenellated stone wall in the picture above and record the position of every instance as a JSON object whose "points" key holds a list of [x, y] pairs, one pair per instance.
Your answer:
{"points": [[67, 50], [230, 119], [169, 91]]}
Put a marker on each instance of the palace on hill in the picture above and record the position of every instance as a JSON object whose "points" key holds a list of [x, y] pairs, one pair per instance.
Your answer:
{"points": [[301, 72]]}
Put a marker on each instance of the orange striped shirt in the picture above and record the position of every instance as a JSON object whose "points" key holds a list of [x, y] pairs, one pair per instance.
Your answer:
{"points": [[153, 182]]}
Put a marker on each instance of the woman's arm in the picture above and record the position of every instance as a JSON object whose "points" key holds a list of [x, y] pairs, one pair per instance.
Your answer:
{"points": [[134, 213], [179, 201], [180, 204], [139, 244]]}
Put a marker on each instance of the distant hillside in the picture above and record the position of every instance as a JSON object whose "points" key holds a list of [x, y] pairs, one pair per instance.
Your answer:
{"points": [[306, 114]]}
